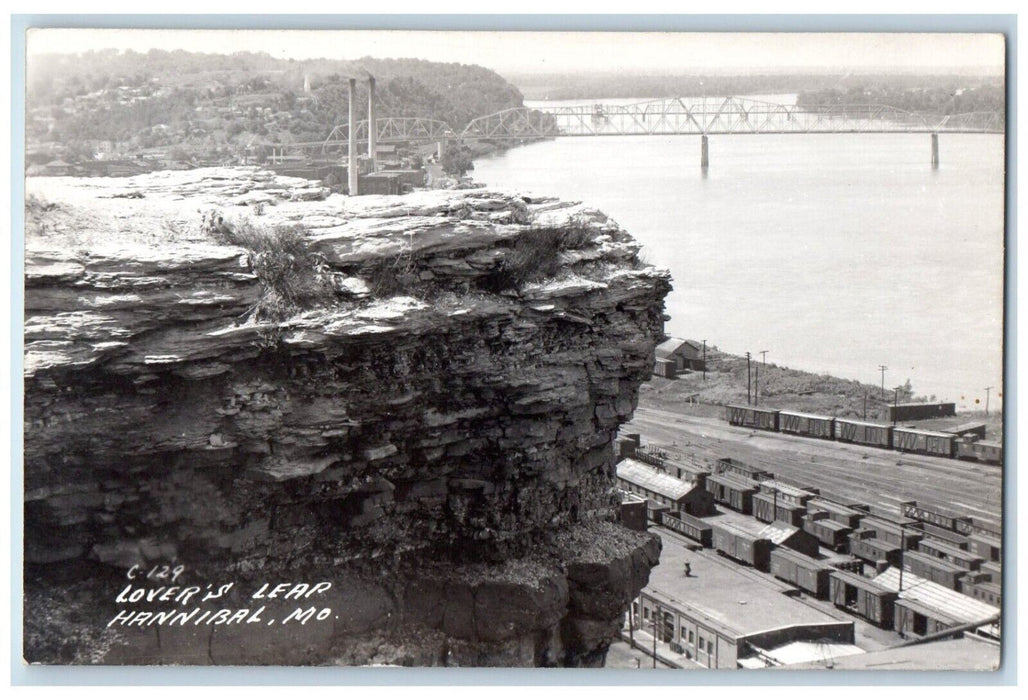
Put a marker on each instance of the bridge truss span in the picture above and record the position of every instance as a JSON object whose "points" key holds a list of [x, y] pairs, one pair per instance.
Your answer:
{"points": [[390, 130], [715, 116]]}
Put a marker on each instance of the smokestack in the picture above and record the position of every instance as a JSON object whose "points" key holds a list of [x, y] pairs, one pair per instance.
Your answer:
{"points": [[372, 124], [352, 143]]}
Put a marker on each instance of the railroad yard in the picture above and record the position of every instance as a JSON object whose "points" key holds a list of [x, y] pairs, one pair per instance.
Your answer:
{"points": [[765, 565], [878, 477]]}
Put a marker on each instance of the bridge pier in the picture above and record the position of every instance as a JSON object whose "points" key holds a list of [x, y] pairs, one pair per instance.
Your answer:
{"points": [[351, 144], [704, 155], [935, 151], [440, 150]]}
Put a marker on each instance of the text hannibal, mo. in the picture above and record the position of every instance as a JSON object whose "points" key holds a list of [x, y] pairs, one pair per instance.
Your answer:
{"points": [[183, 596]]}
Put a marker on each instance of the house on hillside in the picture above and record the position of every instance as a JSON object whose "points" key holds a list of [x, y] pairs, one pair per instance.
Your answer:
{"points": [[676, 355]]}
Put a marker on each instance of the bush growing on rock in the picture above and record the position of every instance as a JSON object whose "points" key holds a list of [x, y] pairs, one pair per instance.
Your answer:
{"points": [[535, 255], [293, 277]]}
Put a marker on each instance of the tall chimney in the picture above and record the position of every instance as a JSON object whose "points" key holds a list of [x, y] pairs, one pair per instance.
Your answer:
{"points": [[372, 124], [351, 150]]}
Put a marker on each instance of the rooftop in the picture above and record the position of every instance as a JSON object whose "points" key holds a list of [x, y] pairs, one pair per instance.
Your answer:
{"points": [[673, 345], [966, 654], [778, 532], [736, 482], [732, 598], [653, 479], [958, 606]]}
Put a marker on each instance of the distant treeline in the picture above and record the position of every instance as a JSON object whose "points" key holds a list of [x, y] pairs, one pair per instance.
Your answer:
{"points": [[935, 100], [180, 98], [571, 86]]}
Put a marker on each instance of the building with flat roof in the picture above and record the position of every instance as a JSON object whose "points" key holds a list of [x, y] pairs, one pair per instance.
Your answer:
{"points": [[721, 614]]}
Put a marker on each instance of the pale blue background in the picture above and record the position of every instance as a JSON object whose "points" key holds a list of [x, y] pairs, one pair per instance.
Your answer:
{"points": [[21, 674]]}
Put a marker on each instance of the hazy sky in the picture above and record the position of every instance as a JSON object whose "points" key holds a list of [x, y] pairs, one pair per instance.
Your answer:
{"points": [[539, 52]]}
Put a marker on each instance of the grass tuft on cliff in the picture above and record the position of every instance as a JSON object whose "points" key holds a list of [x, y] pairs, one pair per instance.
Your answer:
{"points": [[293, 277], [535, 255]]}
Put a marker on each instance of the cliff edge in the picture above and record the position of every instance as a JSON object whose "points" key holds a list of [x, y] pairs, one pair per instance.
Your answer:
{"points": [[244, 379]]}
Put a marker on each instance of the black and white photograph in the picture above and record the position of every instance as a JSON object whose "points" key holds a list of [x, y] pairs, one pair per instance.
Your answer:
{"points": [[644, 350]]}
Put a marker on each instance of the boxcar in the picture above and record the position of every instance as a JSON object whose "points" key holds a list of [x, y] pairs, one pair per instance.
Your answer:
{"points": [[914, 618], [807, 424], [936, 515], [828, 532], [954, 539], [937, 570], [891, 532], [920, 411], [805, 572], [924, 442], [987, 547], [767, 509], [690, 526], [734, 492], [837, 512], [733, 467], [994, 570], [983, 526], [874, 550], [863, 433], [737, 544], [751, 417], [985, 591], [862, 597], [954, 555], [980, 450]]}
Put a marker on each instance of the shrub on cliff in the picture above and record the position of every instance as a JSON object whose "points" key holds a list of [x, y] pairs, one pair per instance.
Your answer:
{"points": [[293, 277], [535, 255]]}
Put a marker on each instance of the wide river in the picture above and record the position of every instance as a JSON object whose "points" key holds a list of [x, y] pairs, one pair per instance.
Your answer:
{"points": [[836, 253]]}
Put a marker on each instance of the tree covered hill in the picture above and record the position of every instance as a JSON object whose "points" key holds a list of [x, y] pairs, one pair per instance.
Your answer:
{"points": [[228, 102]]}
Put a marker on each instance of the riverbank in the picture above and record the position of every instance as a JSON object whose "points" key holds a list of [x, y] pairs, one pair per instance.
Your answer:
{"points": [[783, 387]]}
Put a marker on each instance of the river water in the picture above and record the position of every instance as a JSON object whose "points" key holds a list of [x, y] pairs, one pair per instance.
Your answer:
{"points": [[834, 252]]}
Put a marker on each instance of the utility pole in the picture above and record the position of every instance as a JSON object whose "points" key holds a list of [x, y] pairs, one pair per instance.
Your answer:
{"points": [[704, 359], [656, 614], [903, 546], [756, 385], [763, 361], [747, 378], [987, 390], [895, 404], [883, 368], [865, 404]]}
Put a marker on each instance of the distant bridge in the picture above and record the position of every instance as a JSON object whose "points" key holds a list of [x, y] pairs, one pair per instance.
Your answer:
{"points": [[709, 116], [702, 116]]}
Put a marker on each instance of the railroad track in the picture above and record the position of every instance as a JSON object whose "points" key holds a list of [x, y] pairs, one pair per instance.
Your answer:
{"points": [[879, 477]]}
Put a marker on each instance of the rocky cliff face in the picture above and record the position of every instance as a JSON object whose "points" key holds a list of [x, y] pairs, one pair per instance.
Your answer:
{"points": [[430, 433]]}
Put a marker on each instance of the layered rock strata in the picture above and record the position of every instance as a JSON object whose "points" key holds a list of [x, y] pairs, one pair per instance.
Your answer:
{"points": [[433, 437]]}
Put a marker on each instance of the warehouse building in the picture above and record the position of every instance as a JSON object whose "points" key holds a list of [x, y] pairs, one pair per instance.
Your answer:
{"points": [[662, 488], [721, 616]]}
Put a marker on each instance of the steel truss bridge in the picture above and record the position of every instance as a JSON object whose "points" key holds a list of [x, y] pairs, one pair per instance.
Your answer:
{"points": [[703, 116], [722, 115]]}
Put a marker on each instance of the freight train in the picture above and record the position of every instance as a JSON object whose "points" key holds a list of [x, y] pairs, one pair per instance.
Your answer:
{"points": [[928, 442]]}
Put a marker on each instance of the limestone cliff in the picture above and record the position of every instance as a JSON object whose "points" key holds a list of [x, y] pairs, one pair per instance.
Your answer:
{"points": [[430, 432]]}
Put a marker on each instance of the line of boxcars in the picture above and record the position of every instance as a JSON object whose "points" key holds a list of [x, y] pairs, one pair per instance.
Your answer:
{"points": [[959, 552], [929, 442]]}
